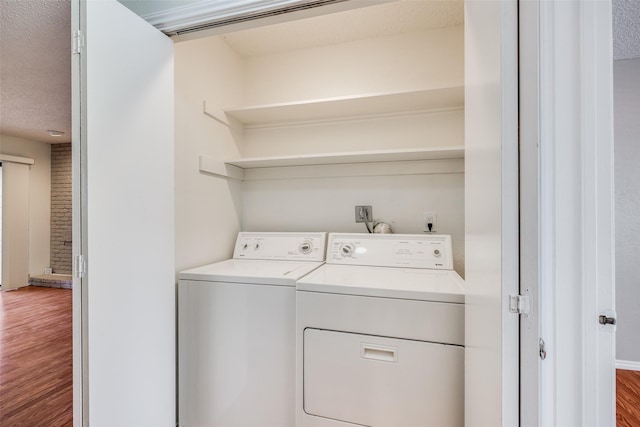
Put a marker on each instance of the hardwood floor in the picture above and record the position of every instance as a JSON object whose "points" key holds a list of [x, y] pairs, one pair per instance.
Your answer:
{"points": [[36, 358], [628, 398]]}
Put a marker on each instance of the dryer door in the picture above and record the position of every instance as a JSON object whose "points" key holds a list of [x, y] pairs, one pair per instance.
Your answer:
{"points": [[382, 382]]}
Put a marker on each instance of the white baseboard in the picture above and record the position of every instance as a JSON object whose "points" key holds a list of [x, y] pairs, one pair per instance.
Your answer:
{"points": [[628, 365]]}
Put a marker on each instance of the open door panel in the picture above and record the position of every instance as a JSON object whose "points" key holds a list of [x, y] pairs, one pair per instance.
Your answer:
{"points": [[123, 161]]}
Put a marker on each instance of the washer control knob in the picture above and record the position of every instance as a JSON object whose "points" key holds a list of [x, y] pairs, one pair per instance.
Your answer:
{"points": [[257, 246], [245, 246], [436, 253], [305, 247], [346, 249]]}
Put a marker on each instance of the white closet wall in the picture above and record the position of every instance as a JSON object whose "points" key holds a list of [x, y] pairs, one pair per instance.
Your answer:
{"points": [[208, 209], [327, 204], [404, 62]]}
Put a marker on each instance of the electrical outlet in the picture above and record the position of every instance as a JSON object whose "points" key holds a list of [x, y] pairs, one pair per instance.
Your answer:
{"points": [[364, 213], [430, 218]]}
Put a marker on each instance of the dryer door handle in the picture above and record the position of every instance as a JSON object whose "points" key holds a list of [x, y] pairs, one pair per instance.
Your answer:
{"points": [[379, 352]]}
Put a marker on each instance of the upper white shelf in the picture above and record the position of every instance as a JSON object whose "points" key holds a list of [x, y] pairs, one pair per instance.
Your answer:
{"points": [[437, 153], [349, 106]]}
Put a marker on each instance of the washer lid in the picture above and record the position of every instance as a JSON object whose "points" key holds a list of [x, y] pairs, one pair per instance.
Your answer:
{"points": [[283, 273], [386, 282]]}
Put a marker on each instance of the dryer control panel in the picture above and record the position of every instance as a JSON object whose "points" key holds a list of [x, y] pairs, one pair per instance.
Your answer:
{"points": [[281, 246], [391, 250]]}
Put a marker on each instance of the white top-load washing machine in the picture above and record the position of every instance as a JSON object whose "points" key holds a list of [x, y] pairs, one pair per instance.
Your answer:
{"points": [[236, 332], [380, 334]]}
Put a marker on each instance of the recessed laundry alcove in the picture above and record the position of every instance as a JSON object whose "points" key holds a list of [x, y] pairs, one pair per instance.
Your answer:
{"points": [[289, 126]]}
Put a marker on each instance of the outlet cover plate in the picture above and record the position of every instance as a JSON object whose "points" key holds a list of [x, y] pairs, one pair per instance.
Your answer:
{"points": [[430, 217], [360, 211]]}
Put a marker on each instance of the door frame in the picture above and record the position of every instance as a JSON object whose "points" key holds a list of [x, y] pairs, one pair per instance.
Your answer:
{"points": [[79, 218], [529, 160]]}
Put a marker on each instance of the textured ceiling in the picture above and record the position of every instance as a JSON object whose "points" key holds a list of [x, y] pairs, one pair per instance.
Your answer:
{"points": [[376, 21], [626, 29], [35, 57], [35, 69]]}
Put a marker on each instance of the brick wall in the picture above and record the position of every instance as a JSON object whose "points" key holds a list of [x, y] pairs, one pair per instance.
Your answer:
{"points": [[61, 208]]}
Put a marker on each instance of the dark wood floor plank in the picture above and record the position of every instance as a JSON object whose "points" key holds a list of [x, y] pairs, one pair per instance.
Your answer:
{"points": [[628, 398], [36, 357]]}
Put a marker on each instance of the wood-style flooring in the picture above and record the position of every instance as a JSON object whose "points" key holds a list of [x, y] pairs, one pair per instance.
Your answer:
{"points": [[36, 358], [36, 368], [628, 398]]}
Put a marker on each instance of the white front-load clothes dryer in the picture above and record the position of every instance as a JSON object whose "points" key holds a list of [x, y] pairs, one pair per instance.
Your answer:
{"points": [[380, 334], [236, 332]]}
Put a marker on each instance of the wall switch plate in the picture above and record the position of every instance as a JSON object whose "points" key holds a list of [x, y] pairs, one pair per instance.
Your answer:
{"points": [[430, 218], [364, 213]]}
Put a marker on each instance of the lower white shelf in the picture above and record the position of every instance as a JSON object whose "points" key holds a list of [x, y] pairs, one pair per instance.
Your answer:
{"points": [[235, 169], [351, 157]]}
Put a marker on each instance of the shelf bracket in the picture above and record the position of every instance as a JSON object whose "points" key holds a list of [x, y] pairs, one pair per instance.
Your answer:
{"points": [[217, 117], [220, 169], [221, 117]]}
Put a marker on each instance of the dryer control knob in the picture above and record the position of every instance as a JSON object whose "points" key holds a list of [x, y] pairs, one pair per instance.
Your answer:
{"points": [[346, 249], [437, 253], [306, 247]]}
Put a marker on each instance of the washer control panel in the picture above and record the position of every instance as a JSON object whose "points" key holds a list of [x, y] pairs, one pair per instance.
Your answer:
{"points": [[281, 246], [391, 250]]}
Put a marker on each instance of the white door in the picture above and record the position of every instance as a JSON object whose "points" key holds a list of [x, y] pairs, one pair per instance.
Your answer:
{"points": [[567, 217], [123, 160]]}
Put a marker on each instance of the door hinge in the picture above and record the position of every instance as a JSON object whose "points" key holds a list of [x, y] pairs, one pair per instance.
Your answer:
{"points": [[519, 304], [79, 266], [77, 42]]}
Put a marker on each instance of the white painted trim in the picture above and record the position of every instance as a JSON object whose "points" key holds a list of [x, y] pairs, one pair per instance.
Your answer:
{"points": [[16, 159], [628, 365]]}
